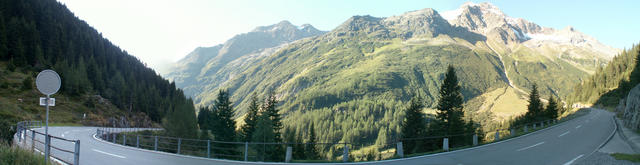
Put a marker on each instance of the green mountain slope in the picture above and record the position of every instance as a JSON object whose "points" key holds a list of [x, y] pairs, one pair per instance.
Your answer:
{"points": [[354, 81], [610, 83], [207, 66]]}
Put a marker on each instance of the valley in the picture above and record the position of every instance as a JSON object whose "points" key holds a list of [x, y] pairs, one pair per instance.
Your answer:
{"points": [[384, 61]]}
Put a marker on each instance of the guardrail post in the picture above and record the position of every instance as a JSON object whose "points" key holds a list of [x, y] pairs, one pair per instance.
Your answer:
{"points": [[445, 144], [24, 138], [47, 148], [542, 124], [399, 150], [526, 128], [287, 157], [114, 137], [179, 143], [345, 153], [76, 156], [475, 139], [246, 151], [497, 138], [137, 141], [155, 145], [513, 132], [534, 125], [33, 140], [208, 148], [124, 139], [19, 131]]}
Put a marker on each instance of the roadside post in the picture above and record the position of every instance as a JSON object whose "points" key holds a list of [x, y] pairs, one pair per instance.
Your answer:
{"points": [[48, 83]]}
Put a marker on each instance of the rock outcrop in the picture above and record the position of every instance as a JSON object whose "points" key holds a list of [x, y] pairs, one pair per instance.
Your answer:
{"points": [[630, 109]]}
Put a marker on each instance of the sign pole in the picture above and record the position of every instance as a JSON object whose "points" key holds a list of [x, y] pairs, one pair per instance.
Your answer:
{"points": [[46, 131], [48, 83], [46, 128]]}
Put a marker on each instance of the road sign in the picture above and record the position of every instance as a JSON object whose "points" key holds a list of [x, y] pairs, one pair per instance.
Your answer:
{"points": [[48, 82], [43, 101]]}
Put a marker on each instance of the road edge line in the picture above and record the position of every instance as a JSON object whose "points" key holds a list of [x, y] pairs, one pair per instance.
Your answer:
{"points": [[177, 155], [480, 146], [372, 162], [608, 139]]}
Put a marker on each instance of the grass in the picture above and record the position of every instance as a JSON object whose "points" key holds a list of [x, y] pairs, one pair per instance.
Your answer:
{"points": [[18, 103], [65, 124], [630, 157], [15, 155]]}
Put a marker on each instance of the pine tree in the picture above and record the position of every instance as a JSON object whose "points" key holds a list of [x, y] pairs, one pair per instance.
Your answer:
{"points": [[225, 130], [270, 108], [264, 134], [634, 78], [204, 115], [181, 121], [534, 109], [250, 120], [551, 112], [450, 110], [311, 150], [381, 140], [413, 125], [298, 148]]}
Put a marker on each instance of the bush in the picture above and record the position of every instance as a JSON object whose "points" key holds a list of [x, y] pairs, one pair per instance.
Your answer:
{"points": [[14, 155], [27, 83], [6, 131]]}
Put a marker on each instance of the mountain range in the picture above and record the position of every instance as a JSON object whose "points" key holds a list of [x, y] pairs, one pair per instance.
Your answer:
{"points": [[354, 80]]}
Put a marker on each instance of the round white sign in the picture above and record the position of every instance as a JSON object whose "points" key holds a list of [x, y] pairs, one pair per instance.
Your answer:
{"points": [[48, 82]]}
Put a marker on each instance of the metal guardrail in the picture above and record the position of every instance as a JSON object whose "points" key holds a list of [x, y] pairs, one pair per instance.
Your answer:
{"points": [[241, 151], [34, 140], [251, 151]]}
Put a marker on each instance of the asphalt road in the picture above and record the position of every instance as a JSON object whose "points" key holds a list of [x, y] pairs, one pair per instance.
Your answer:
{"points": [[565, 143]]}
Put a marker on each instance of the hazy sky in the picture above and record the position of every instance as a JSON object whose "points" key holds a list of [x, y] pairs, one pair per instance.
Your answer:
{"points": [[163, 31]]}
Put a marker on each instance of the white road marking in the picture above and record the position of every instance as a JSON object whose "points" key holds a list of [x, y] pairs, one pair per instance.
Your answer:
{"points": [[530, 146], [578, 126], [573, 160], [109, 154], [564, 134]]}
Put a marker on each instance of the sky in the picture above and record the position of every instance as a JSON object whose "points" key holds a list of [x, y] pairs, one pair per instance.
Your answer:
{"points": [[160, 32]]}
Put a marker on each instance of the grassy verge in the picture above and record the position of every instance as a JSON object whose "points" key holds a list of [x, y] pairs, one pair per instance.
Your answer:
{"points": [[629, 157], [15, 155], [65, 124]]}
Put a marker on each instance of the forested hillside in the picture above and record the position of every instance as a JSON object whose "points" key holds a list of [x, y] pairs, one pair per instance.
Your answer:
{"points": [[610, 83], [353, 81], [43, 34]]}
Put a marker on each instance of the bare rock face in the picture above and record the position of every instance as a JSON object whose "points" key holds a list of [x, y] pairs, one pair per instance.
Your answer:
{"points": [[631, 113]]}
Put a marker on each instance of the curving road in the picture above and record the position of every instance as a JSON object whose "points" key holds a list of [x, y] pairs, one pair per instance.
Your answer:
{"points": [[565, 143]]}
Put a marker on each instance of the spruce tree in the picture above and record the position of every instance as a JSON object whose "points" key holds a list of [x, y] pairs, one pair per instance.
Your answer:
{"points": [[551, 112], [270, 109], [203, 118], [276, 120], [311, 150], [413, 125], [534, 109], [250, 120], [264, 134], [226, 125], [298, 148], [634, 77], [450, 110]]}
